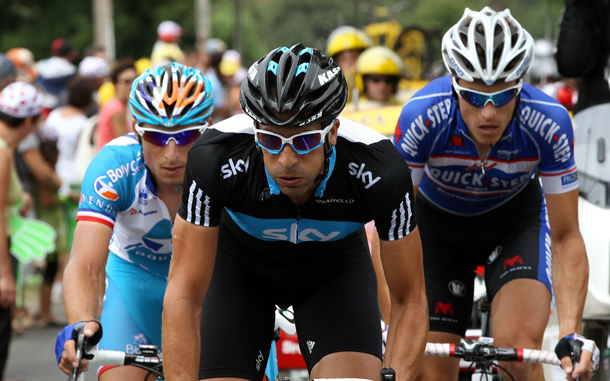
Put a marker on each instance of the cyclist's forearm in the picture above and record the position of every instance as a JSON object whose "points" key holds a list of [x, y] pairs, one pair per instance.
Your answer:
{"points": [[81, 293], [181, 340], [407, 338], [570, 281]]}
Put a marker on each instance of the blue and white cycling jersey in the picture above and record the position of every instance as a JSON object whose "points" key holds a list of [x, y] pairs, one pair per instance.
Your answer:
{"points": [[118, 191], [434, 140]]}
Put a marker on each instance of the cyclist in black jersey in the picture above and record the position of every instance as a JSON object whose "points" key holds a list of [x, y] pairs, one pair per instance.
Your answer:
{"points": [[276, 201]]}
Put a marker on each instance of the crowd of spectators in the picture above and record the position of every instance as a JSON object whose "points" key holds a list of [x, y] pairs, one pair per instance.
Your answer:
{"points": [[82, 106]]}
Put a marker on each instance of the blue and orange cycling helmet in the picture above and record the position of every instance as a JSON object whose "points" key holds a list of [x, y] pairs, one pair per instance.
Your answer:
{"points": [[171, 95]]}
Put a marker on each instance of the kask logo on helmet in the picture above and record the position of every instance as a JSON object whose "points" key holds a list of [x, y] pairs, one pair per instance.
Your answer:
{"points": [[252, 72], [311, 119], [328, 75]]}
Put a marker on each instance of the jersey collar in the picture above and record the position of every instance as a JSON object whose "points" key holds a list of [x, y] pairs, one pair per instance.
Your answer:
{"points": [[275, 189]]}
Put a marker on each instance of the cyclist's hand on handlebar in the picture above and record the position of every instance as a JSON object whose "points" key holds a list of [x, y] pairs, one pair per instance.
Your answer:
{"points": [[579, 357], [65, 345]]}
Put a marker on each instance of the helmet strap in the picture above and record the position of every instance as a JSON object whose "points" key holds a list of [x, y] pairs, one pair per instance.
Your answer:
{"points": [[328, 149]]}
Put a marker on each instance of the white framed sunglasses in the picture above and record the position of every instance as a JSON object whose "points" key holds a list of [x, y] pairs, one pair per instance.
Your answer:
{"points": [[160, 138], [480, 99], [301, 143]]}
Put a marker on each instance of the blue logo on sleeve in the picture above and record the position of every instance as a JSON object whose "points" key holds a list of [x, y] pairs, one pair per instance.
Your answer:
{"points": [[568, 179]]}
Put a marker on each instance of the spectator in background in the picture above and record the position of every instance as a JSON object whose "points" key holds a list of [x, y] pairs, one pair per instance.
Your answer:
{"points": [[214, 50], [544, 68], [97, 70], [344, 45], [59, 136], [96, 50], [20, 109], [378, 71], [233, 74], [113, 121], [66, 124], [583, 49], [47, 207], [166, 49], [55, 72], [7, 71], [143, 64], [23, 59]]}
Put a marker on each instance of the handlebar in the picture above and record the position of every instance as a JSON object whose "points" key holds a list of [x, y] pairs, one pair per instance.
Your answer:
{"points": [[472, 350], [148, 359]]}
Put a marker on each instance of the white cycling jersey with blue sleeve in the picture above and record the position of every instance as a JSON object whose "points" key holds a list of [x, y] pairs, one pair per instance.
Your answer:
{"points": [[118, 191], [444, 161]]}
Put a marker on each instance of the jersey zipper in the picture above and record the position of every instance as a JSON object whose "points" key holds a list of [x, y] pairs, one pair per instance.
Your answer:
{"points": [[493, 148], [294, 230]]}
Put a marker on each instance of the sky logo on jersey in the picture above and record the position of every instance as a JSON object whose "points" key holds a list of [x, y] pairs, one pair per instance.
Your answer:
{"points": [[235, 167], [510, 262], [365, 176], [105, 190], [445, 308]]}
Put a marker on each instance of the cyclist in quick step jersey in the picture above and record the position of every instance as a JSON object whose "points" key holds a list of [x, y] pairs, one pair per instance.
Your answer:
{"points": [[129, 198], [477, 143], [277, 200]]}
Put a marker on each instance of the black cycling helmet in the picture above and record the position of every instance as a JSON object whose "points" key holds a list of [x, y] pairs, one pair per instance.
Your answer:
{"points": [[294, 79]]}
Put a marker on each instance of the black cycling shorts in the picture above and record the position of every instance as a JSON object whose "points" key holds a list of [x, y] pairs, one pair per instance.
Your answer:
{"points": [[512, 241], [332, 288]]}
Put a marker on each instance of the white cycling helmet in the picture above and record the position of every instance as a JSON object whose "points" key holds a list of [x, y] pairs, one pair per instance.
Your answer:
{"points": [[488, 47]]}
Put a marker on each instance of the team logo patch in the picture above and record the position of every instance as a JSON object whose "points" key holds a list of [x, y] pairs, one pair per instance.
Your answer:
{"points": [[456, 141], [445, 308], [105, 190], [495, 254], [510, 262], [457, 288]]}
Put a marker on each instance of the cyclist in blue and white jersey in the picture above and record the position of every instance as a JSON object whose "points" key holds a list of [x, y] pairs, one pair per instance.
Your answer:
{"points": [[477, 143], [129, 198], [277, 200]]}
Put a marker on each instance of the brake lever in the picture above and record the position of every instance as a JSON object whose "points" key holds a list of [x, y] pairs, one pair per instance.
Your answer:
{"points": [[576, 352], [80, 349]]}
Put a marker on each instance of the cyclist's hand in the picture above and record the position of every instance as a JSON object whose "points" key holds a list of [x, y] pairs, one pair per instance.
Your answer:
{"points": [[576, 349], [65, 345]]}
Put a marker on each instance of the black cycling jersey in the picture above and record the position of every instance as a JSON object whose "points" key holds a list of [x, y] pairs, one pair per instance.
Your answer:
{"points": [[368, 180], [314, 257]]}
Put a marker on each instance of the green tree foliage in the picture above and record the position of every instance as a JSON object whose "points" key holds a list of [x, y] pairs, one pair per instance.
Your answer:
{"points": [[35, 24], [265, 24]]}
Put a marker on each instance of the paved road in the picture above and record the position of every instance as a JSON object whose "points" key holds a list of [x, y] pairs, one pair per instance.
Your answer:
{"points": [[32, 356]]}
